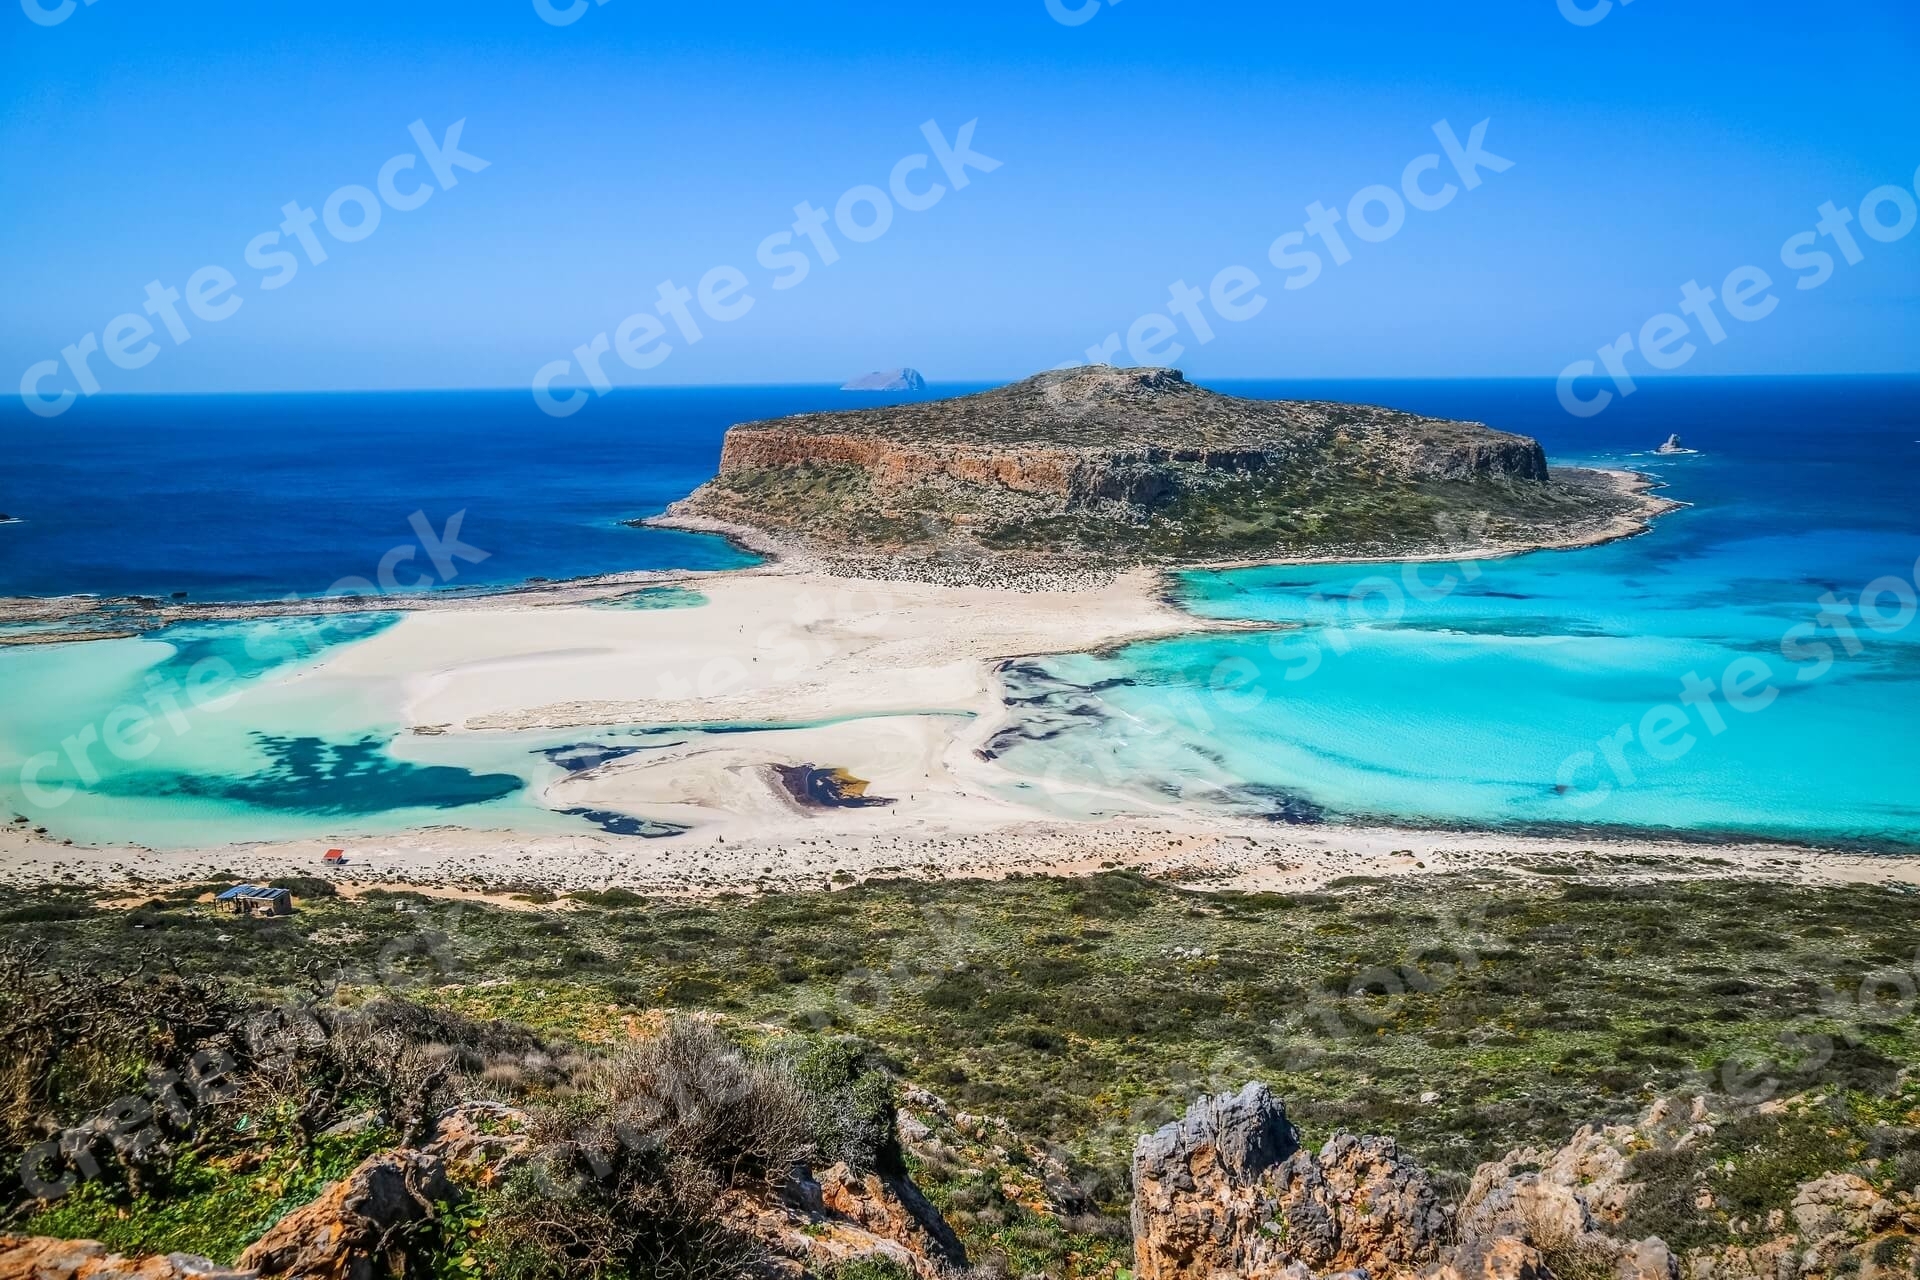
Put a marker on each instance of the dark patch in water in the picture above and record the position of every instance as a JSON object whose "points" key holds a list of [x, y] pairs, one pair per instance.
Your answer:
{"points": [[584, 756], [1281, 808], [312, 775], [625, 824], [827, 788]]}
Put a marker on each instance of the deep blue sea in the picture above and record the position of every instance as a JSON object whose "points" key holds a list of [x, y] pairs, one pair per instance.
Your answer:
{"points": [[1487, 703], [233, 497]]}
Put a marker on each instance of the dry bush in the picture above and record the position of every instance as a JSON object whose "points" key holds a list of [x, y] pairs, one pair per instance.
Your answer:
{"points": [[691, 1091], [1569, 1254], [630, 1172], [71, 1042], [407, 1062]]}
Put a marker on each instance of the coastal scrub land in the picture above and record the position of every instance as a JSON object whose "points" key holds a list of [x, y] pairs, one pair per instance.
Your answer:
{"points": [[994, 1047]]}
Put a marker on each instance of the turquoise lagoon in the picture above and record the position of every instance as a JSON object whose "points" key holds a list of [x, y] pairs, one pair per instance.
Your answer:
{"points": [[1480, 695], [1480, 705]]}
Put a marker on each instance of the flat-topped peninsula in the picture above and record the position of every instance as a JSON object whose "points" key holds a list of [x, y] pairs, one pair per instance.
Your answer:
{"points": [[1098, 467]]}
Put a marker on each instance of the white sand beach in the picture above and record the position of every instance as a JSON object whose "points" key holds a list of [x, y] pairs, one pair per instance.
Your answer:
{"points": [[893, 684]]}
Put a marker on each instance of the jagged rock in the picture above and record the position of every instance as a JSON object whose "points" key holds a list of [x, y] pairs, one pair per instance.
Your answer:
{"points": [[842, 1217], [41, 1258], [1561, 1201], [1503, 1259], [480, 1142], [1228, 1191], [1840, 1203], [1198, 1206], [1358, 1206], [892, 1208], [339, 1235]]}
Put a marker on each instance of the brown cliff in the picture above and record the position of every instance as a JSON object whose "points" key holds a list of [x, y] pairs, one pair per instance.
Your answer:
{"points": [[1111, 467]]}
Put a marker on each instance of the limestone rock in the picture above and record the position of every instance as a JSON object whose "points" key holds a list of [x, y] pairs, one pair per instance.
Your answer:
{"points": [[480, 1142], [41, 1258], [1506, 1258], [339, 1235], [843, 1217], [1228, 1191], [1199, 1206], [1358, 1206]]}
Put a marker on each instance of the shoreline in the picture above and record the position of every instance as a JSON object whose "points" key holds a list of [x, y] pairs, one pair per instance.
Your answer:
{"points": [[1200, 856], [130, 616]]}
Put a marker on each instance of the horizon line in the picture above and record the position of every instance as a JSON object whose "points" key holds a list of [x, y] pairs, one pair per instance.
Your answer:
{"points": [[990, 382]]}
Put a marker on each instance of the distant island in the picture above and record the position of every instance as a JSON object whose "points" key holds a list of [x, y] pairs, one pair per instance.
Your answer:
{"points": [[888, 380], [1106, 468]]}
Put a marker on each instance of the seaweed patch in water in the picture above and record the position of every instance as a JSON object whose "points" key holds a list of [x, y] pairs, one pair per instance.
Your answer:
{"points": [[313, 775], [625, 824], [581, 757]]}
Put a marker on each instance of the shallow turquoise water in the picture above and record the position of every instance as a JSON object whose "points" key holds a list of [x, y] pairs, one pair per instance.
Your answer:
{"points": [[202, 734], [1551, 690]]}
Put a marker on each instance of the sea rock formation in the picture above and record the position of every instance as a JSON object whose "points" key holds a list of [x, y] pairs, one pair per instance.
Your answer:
{"points": [[1084, 436], [888, 380], [1673, 445]]}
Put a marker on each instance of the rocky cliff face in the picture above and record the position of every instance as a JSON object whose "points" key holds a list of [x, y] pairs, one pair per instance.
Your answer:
{"points": [[1123, 466], [1099, 434]]}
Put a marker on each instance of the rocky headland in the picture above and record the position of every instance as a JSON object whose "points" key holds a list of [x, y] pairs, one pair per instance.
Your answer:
{"points": [[1102, 468]]}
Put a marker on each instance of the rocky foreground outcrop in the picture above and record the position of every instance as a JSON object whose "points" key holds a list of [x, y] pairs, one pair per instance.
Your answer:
{"points": [[353, 1230], [1228, 1193], [1105, 466]]}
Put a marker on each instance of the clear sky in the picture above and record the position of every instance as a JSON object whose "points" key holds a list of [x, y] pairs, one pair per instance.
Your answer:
{"points": [[1154, 141]]}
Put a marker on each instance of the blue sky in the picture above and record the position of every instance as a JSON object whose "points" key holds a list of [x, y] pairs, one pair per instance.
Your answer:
{"points": [[1157, 140]]}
